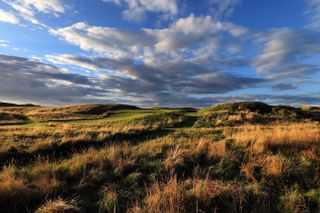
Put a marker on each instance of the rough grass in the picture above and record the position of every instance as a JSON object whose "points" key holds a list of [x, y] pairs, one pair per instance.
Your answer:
{"points": [[156, 160], [291, 136], [10, 118]]}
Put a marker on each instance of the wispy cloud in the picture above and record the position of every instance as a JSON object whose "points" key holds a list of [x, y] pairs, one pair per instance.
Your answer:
{"points": [[313, 12], [223, 9], [285, 53], [135, 10], [28, 9]]}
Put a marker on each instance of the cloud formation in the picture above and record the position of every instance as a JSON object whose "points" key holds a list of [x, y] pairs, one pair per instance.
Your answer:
{"points": [[27, 9], [285, 53], [34, 81], [192, 37], [183, 78], [30, 80], [193, 56], [137, 10]]}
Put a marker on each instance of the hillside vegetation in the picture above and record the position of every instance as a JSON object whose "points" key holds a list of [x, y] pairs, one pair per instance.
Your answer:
{"points": [[234, 157]]}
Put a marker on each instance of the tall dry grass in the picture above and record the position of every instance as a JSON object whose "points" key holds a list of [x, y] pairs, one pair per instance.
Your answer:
{"points": [[260, 138], [165, 197]]}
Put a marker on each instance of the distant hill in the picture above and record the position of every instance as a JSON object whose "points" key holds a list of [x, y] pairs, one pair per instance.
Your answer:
{"points": [[76, 112], [237, 113], [4, 104], [224, 114]]}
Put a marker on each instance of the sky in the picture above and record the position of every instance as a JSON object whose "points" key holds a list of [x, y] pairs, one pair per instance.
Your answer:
{"points": [[160, 52]]}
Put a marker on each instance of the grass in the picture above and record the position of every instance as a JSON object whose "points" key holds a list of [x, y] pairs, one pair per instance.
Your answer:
{"points": [[58, 205], [292, 136], [161, 160]]}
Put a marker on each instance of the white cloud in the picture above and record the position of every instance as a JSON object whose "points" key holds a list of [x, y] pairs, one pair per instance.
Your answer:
{"points": [[4, 43], [8, 17], [70, 59], [109, 41], [28, 8], [136, 9], [314, 13], [184, 33]]}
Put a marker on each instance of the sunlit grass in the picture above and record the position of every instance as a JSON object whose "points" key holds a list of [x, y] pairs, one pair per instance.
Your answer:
{"points": [[156, 160]]}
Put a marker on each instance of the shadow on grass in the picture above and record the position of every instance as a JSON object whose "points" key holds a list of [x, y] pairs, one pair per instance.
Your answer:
{"points": [[65, 149]]}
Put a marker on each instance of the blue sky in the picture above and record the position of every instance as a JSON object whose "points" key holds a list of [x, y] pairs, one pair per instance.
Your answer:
{"points": [[160, 52]]}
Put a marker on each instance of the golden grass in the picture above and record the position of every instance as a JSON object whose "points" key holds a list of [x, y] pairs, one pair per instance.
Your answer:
{"points": [[206, 190], [30, 139], [219, 196], [260, 138], [175, 156], [275, 165], [168, 197], [211, 172], [217, 149]]}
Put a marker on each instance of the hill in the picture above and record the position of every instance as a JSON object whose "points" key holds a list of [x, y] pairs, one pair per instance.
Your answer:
{"points": [[232, 157], [254, 113], [4, 104]]}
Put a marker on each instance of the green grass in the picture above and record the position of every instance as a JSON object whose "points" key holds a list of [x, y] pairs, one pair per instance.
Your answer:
{"points": [[116, 115]]}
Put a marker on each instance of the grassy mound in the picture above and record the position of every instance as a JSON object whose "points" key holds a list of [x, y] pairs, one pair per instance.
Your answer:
{"points": [[313, 111], [161, 120], [258, 107], [92, 111], [230, 114], [3, 104]]}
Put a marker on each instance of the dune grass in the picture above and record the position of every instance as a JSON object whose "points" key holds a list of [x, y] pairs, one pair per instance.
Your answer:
{"points": [[160, 160]]}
